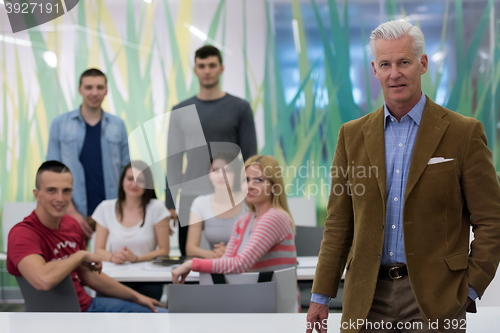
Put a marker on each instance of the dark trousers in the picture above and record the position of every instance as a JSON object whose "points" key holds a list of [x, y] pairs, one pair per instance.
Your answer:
{"points": [[185, 202], [396, 307], [150, 289]]}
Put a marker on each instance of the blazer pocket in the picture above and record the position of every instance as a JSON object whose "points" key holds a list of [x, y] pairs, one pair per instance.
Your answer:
{"points": [[457, 262], [440, 167]]}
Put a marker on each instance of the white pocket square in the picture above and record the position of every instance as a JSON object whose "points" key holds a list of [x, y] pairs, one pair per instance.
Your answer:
{"points": [[436, 160]]}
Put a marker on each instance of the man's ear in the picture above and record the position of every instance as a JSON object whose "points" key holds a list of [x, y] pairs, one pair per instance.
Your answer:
{"points": [[35, 193], [222, 69], [424, 63], [374, 69]]}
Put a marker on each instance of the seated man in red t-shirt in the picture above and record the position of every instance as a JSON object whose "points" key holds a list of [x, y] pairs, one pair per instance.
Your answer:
{"points": [[48, 245]]}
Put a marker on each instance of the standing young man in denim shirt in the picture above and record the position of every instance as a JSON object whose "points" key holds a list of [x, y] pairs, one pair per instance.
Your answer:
{"points": [[93, 144]]}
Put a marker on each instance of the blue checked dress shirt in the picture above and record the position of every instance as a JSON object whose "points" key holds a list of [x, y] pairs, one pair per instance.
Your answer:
{"points": [[399, 142]]}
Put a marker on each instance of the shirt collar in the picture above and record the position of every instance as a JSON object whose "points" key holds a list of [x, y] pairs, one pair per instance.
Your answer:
{"points": [[78, 115], [415, 113]]}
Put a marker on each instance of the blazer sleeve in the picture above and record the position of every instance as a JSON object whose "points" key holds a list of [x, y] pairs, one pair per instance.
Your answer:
{"points": [[270, 231], [482, 195]]}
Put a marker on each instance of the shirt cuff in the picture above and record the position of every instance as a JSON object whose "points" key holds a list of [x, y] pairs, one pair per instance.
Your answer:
{"points": [[202, 265], [320, 298], [472, 293]]}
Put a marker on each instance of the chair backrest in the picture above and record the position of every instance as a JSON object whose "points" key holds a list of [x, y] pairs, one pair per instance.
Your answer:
{"points": [[13, 213], [286, 286], [308, 240], [222, 298], [61, 298]]}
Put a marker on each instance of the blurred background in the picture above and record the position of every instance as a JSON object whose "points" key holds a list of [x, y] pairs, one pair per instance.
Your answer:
{"points": [[304, 65]]}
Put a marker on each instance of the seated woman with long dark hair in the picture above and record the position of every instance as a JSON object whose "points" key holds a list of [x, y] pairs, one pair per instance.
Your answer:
{"points": [[134, 227]]}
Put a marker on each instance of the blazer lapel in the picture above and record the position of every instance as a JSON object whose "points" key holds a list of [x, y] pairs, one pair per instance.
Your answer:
{"points": [[432, 129], [373, 133]]}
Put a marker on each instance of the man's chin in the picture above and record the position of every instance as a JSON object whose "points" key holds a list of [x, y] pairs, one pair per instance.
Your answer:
{"points": [[58, 213], [210, 85], [93, 105]]}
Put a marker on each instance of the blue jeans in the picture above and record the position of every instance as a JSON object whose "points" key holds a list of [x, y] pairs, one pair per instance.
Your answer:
{"points": [[150, 289], [105, 304]]}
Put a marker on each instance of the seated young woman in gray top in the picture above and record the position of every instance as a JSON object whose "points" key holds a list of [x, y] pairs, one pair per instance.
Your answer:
{"points": [[211, 215]]}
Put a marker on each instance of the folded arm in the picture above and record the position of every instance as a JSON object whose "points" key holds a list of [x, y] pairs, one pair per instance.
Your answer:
{"points": [[44, 275]]}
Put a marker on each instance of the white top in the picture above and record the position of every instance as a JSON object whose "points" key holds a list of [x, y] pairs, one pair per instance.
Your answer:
{"points": [[140, 240], [216, 229]]}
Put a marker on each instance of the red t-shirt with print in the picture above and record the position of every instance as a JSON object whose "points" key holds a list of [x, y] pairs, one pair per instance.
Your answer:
{"points": [[31, 237]]}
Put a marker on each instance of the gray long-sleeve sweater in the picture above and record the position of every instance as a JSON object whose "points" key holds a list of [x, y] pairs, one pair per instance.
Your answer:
{"points": [[227, 119]]}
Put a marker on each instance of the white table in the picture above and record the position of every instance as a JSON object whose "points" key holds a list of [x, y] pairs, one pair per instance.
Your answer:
{"points": [[146, 272], [485, 321]]}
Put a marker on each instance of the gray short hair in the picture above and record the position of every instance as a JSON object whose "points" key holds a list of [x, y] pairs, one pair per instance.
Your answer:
{"points": [[395, 30]]}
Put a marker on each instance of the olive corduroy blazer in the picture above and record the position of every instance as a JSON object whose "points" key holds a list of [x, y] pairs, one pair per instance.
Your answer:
{"points": [[442, 201]]}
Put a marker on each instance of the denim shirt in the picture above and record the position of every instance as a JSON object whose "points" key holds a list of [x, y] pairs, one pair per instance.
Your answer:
{"points": [[67, 134]]}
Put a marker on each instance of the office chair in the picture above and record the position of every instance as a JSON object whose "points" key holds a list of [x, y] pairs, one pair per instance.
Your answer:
{"points": [[61, 298]]}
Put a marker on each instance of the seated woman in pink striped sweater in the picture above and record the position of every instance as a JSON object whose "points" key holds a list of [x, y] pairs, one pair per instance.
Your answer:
{"points": [[262, 240]]}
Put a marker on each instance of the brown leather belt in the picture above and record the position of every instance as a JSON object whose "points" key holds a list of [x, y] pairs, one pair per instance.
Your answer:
{"points": [[395, 272]]}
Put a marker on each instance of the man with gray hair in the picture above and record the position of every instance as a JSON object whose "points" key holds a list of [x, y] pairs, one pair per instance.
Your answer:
{"points": [[404, 243]]}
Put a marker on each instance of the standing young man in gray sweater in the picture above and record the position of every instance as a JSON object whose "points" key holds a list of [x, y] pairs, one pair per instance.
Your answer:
{"points": [[223, 118]]}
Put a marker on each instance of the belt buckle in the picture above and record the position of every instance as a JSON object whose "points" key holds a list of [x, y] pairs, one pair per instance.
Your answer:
{"points": [[396, 277]]}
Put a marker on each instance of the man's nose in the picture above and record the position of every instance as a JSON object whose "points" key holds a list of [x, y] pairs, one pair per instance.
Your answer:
{"points": [[395, 73], [59, 196]]}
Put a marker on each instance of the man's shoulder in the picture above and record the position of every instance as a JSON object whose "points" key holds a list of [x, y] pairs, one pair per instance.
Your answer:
{"points": [[236, 100], [357, 124], [113, 118], [228, 98], [186, 102], [28, 225], [22, 227], [66, 116], [452, 117]]}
